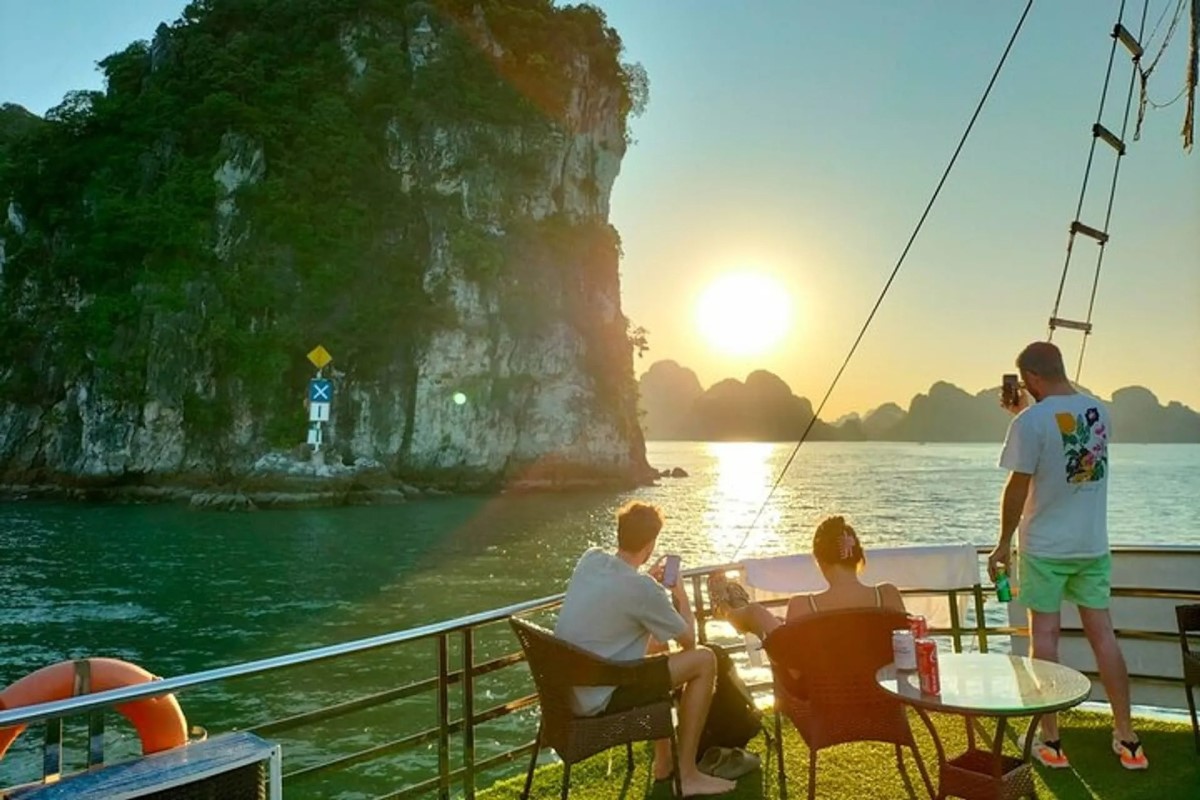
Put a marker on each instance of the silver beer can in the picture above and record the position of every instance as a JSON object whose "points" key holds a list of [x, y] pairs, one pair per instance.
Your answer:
{"points": [[904, 649]]}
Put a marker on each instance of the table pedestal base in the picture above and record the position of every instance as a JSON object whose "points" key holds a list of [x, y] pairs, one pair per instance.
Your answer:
{"points": [[980, 774], [977, 687], [974, 774]]}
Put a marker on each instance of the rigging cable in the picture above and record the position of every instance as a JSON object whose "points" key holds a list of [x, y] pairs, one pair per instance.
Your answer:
{"points": [[1143, 98], [1191, 78], [891, 278]]}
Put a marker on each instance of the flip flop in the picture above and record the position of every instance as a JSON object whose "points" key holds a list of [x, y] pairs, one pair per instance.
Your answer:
{"points": [[736, 764], [729, 763], [712, 757]]}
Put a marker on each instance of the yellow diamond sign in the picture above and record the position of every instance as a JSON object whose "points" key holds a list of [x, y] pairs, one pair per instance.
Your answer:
{"points": [[320, 357]]}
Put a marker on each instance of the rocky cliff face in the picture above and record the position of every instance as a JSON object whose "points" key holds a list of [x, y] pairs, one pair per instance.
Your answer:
{"points": [[422, 189], [667, 394]]}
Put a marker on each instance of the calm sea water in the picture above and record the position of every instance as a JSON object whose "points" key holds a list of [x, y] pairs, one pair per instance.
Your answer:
{"points": [[177, 590]]}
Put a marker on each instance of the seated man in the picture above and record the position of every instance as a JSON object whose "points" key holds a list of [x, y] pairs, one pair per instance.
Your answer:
{"points": [[614, 611]]}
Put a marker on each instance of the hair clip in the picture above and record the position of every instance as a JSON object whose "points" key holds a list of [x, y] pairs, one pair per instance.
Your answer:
{"points": [[845, 545]]}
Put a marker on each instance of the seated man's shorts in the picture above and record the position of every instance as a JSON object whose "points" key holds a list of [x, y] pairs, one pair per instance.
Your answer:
{"points": [[1046, 582], [651, 685]]}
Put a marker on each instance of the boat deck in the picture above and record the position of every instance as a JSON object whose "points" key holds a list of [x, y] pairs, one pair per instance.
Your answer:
{"points": [[868, 770], [462, 717]]}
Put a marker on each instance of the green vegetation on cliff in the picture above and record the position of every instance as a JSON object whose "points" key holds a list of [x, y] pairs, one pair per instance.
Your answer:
{"points": [[256, 180]]}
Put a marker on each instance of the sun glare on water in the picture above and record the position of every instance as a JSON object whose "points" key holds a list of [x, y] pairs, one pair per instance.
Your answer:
{"points": [[743, 313]]}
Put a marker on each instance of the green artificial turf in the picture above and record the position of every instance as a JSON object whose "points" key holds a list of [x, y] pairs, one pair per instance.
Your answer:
{"points": [[868, 770]]}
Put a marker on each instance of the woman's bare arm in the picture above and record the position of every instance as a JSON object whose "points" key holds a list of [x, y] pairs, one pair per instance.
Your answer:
{"points": [[798, 607], [892, 599]]}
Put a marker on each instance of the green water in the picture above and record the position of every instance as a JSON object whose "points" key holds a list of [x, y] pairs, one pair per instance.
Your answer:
{"points": [[178, 591]]}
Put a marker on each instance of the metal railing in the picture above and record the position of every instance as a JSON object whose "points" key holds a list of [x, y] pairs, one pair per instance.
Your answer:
{"points": [[446, 679], [95, 705]]}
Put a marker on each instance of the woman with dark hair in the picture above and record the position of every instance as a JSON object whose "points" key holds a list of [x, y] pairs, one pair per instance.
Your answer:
{"points": [[840, 557]]}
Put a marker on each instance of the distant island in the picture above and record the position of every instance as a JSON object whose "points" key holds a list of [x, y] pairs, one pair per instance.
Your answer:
{"points": [[674, 406]]}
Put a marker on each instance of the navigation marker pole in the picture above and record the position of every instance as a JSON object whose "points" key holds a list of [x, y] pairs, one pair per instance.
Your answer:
{"points": [[320, 397]]}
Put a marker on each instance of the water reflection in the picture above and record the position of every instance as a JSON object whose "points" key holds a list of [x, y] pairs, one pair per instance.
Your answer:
{"points": [[743, 478], [178, 590]]}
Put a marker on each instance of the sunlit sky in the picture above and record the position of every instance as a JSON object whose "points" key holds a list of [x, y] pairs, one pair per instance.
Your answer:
{"points": [[799, 142]]}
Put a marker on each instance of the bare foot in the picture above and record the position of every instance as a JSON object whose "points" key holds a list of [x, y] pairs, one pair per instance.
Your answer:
{"points": [[698, 783], [741, 619], [662, 771]]}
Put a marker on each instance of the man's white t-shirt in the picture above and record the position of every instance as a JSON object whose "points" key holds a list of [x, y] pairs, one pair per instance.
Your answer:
{"points": [[1062, 441], [612, 610]]}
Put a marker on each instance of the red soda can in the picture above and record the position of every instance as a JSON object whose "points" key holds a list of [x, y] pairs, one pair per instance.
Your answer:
{"points": [[918, 626], [927, 667]]}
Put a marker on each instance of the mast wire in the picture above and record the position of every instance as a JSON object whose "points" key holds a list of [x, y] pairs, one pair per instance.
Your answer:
{"points": [[891, 278]]}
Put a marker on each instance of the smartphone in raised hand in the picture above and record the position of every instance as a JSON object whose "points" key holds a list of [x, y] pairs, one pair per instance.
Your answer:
{"points": [[1010, 391], [671, 571]]}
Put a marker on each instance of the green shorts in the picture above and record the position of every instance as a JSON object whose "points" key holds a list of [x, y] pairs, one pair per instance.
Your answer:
{"points": [[1046, 582]]}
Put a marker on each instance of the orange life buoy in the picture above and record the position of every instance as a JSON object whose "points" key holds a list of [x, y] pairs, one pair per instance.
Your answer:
{"points": [[159, 720]]}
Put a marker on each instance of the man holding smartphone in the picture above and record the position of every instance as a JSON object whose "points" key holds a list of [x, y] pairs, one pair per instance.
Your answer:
{"points": [[613, 610], [1056, 453]]}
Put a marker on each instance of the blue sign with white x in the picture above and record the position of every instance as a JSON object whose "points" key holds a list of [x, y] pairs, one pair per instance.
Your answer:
{"points": [[320, 391]]}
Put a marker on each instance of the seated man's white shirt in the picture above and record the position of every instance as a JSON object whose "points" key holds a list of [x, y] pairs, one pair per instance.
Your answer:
{"points": [[612, 610]]}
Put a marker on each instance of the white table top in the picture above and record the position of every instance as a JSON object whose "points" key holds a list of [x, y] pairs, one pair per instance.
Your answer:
{"points": [[992, 685]]}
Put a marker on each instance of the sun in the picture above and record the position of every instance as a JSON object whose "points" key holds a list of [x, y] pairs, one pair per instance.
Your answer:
{"points": [[744, 313]]}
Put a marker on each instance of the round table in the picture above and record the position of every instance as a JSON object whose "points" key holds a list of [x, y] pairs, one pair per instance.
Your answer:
{"points": [[988, 685]]}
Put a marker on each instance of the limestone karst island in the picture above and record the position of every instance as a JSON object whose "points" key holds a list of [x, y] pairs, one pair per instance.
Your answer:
{"points": [[422, 189]]}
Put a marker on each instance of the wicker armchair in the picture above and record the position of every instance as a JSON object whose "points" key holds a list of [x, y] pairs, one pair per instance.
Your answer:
{"points": [[1188, 618], [834, 697], [558, 667]]}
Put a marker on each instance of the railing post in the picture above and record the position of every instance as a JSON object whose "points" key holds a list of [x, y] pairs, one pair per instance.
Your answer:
{"points": [[702, 616], [443, 716], [52, 751], [468, 712], [95, 739], [980, 621], [955, 622]]}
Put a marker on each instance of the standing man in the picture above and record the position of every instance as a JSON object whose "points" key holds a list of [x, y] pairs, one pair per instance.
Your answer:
{"points": [[1056, 453], [613, 610]]}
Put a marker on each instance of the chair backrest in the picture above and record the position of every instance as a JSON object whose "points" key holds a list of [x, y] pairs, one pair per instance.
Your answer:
{"points": [[557, 667], [837, 651], [837, 655], [1188, 617]]}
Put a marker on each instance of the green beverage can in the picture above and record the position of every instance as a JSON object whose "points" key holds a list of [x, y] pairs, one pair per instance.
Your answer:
{"points": [[1003, 589]]}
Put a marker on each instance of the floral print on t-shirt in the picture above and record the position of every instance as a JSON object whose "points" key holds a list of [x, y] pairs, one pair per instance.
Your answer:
{"points": [[1085, 445]]}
